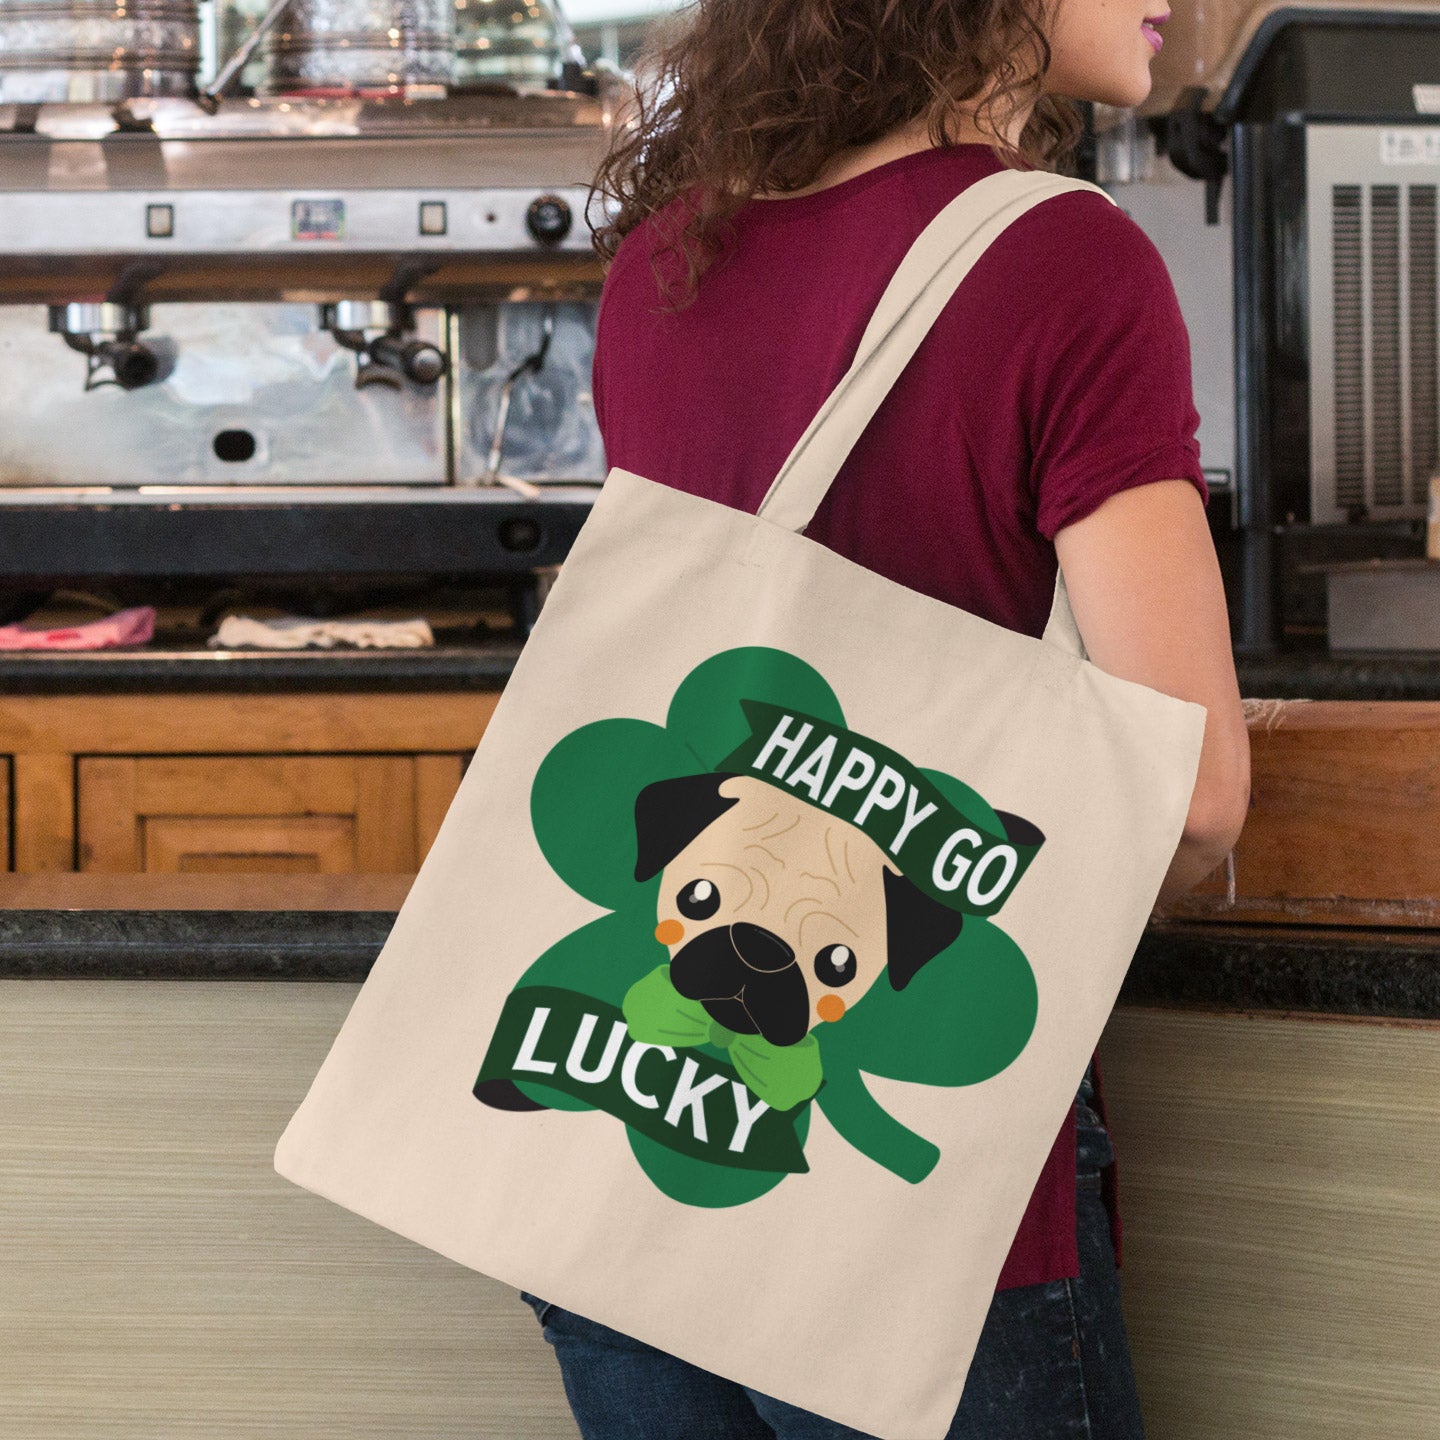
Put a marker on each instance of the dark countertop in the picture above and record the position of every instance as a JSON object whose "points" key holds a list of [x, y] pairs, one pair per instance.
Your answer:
{"points": [[1326, 970], [485, 664], [1343, 675], [185, 944], [1321, 969]]}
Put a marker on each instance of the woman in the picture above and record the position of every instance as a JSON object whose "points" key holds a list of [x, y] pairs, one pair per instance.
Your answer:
{"points": [[788, 158]]}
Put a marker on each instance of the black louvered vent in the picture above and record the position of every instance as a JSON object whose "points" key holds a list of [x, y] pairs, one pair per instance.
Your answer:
{"points": [[1387, 389], [1349, 348], [1424, 391], [1385, 416]]}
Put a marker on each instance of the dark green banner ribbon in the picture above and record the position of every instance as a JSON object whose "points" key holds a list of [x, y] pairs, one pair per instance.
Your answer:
{"points": [[954, 859], [682, 1098]]}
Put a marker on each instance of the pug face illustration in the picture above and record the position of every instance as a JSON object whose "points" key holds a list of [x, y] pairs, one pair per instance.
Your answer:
{"points": [[778, 916]]}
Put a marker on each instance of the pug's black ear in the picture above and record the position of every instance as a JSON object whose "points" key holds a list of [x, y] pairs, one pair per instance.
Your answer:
{"points": [[1018, 831], [917, 928], [669, 814]]}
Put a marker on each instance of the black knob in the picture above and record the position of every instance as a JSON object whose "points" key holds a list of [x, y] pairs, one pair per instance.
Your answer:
{"points": [[419, 361], [548, 219], [424, 363], [134, 365]]}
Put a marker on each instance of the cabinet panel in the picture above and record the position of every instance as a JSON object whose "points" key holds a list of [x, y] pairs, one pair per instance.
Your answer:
{"points": [[385, 814], [325, 814], [389, 762], [5, 855], [43, 790], [285, 845], [243, 784], [1341, 828], [437, 778], [109, 827]]}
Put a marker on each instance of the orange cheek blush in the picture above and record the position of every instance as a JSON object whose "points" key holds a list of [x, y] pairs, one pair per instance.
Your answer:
{"points": [[830, 1007], [669, 932]]}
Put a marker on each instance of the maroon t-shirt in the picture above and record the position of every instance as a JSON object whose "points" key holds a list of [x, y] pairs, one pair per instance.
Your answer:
{"points": [[1057, 375]]}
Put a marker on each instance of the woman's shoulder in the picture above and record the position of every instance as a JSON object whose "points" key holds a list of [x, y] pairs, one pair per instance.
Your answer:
{"points": [[1083, 230], [1069, 250], [655, 240], [1069, 259], [1081, 246]]}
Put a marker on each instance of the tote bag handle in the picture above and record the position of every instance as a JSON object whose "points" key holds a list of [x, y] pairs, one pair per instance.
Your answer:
{"points": [[928, 275]]}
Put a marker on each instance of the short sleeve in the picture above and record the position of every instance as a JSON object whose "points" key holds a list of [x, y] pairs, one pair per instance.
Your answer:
{"points": [[1109, 398], [597, 358]]}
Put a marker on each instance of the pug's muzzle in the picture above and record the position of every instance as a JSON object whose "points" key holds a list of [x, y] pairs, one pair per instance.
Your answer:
{"points": [[747, 979]]}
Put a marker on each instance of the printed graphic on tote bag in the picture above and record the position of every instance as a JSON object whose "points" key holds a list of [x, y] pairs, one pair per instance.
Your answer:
{"points": [[790, 903]]}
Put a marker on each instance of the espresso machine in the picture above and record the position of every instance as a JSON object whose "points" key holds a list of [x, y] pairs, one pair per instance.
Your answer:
{"points": [[1287, 164], [337, 320]]}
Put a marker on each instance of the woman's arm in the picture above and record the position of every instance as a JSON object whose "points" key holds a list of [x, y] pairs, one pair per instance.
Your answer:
{"points": [[1144, 583]]}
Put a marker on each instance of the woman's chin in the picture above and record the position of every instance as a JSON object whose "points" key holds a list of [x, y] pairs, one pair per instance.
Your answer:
{"points": [[1123, 92], [1136, 91]]}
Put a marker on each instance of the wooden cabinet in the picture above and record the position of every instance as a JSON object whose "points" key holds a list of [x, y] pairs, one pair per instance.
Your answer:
{"points": [[286, 814], [1342, 828], [311, 783]]}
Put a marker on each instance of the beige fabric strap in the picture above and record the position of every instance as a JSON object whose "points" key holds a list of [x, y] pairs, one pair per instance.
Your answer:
{"points": [[923, 282]]}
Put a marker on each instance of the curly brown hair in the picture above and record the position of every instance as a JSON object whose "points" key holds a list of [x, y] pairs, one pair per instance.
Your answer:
{"points": [[756, 95]]}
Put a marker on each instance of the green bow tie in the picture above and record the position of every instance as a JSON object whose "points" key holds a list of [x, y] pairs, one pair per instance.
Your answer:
{"points": [[781, 1075]]}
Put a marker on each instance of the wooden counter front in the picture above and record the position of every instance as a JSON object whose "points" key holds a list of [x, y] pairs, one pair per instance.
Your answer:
{"points": [[1277, 1173], [329, 783], [1344, 822], [1342, 828]]}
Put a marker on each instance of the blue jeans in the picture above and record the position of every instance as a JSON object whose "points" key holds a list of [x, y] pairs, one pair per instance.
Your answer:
{"points": [[1053, 1359]]}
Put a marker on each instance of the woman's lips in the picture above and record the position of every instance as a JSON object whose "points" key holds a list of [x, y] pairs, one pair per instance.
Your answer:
{"points": [[1148, 29]]}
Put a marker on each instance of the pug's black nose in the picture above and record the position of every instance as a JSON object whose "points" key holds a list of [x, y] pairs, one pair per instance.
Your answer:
{"points": [[759, 948]]}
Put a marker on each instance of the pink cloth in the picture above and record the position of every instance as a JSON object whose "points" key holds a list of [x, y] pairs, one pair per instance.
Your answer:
{"points": [[125, 627]]}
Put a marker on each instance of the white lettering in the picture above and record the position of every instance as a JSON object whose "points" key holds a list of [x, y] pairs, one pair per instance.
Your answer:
{"points": [[526, 1060], [789, 746], [884, 794], [952, 880], [1008, 858], [690, 1096], [854, 774], [629, 1073], [812, 773], [575, 1063], [745, 1115], [912, 818]]}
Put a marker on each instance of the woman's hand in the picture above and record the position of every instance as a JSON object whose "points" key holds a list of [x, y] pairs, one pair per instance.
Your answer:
{"points": [[1144, 583]]}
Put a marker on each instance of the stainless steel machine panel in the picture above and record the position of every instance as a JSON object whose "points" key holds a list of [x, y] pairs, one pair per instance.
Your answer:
{"points": [[266, 295], [1371, 220], [322, 217], [548, 416], [261, 384]]}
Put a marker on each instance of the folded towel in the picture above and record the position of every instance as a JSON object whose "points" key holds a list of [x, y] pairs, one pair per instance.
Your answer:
{"points": [[294, 632], [125, 627]]}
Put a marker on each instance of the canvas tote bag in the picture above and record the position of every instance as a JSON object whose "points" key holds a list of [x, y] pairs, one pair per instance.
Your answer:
{"points": [[759, 957]]}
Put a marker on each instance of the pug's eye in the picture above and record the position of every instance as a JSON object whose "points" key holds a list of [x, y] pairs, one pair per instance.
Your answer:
{"points": [[699, 900], [835, 965]]}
